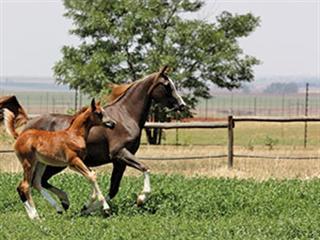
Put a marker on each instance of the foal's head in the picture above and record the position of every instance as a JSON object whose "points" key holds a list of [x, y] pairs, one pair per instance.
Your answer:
{"points": [[164, 91], [98, 116]]}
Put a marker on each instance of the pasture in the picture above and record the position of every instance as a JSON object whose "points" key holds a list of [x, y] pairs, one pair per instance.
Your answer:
{"points": [[191, 199], [179, 208]]}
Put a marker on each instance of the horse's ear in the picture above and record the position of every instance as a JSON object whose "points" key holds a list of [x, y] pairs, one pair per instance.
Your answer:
{"points": [[93, 105]]}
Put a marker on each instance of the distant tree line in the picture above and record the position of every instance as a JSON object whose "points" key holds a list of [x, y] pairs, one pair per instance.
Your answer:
{"points": [[282, 88]]}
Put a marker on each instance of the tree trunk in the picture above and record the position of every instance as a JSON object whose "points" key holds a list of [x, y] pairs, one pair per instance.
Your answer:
{"points": [[154, 134]]}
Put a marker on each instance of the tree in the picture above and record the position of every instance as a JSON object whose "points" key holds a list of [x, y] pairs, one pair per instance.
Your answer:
{"points": [[127, 39]]}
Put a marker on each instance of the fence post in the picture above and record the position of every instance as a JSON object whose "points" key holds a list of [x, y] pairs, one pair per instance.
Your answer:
{"points": [[306, 115], [230, 141]]}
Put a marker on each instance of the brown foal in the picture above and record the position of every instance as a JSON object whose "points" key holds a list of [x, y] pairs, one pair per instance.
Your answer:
{"points": [[38, 148]]}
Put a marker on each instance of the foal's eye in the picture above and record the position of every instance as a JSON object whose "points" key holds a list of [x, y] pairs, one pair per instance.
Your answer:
{"points": [[99, 114]]}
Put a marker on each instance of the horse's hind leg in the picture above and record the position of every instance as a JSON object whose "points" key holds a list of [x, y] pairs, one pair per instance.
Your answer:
{"points": [[48, 173], [77, 165], [24, 190], [36, 183], [131, 161]]}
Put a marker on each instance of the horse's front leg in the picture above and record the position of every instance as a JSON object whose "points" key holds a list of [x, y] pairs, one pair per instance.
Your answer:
{"points": [[132, 161], [119, 167]]}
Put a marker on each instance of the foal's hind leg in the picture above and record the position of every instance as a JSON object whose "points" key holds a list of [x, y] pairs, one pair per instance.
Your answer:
{"points": [[36, 183], [24, 190], [77, 165]]}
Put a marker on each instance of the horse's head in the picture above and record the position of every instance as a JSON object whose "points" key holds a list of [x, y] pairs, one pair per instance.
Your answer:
{"points": [[99, 117], [164, 91]]}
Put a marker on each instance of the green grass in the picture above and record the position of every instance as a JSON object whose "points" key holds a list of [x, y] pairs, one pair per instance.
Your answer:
{"points": [[179, 208]]}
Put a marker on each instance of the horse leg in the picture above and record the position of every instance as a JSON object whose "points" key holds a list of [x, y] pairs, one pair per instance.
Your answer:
{"points": [[132, 161], [36, 183], [48, 173], [88, 207], [117, 172], [24, 190], [77, 165]]}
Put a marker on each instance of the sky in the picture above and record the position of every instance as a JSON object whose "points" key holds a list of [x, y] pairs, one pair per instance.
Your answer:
{"points": [[32, 32]]}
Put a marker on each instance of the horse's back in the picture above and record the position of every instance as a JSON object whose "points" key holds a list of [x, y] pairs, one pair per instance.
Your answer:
{"points": [[49, 122]]}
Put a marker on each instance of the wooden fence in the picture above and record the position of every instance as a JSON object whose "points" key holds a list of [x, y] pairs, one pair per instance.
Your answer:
{"points": [[229, 125]]}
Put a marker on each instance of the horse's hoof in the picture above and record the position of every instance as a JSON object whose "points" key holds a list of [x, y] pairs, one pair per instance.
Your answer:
{"points": [[83, 210], [65, 205], [60, 212], [107, 212], [142, 198]]}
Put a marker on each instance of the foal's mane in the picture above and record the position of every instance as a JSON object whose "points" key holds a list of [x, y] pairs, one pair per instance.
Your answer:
{"points": [[82, 110]]}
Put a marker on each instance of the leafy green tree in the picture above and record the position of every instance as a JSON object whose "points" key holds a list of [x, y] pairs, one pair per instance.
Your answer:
{"points": [[126, 39]]}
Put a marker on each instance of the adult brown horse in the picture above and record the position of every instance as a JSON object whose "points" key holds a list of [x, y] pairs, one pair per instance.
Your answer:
{"points": [[117, 146]]}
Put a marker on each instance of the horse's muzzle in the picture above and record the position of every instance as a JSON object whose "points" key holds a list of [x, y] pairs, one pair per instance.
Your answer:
{"points": [[180, 107]]}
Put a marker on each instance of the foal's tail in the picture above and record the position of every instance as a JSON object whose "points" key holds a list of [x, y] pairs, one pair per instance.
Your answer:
{"points": [[14, 114]]}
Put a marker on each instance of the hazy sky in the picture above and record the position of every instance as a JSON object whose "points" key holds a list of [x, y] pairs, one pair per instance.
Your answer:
{"points": [[287, 42]]}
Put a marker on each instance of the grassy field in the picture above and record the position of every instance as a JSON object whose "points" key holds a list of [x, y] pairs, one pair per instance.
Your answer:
{"points": [[179, 208]]}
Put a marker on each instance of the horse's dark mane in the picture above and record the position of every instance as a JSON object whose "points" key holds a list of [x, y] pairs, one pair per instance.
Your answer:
{"points": [[130, 86]]}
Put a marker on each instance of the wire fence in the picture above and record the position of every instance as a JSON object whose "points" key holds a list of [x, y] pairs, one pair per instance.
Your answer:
{"points": [[219, 106], [239, 104]]}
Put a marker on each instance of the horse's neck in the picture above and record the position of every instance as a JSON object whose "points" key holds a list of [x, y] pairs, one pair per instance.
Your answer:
{"points": [[137, 100], [80, 126]]}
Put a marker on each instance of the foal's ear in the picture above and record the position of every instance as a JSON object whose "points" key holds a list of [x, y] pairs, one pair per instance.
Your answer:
{"points": [[93, 104]]}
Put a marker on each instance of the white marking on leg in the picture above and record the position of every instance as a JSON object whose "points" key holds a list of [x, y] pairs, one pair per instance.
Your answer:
{"points": [[101, 198], [31, 211], [92, 198], [142, 198], [146, 185]]}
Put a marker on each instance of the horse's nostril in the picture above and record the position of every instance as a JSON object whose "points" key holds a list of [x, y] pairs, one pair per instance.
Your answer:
{"points": [[182, 107], [110, 124]]}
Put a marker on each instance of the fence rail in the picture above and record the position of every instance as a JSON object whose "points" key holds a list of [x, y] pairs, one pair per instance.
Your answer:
{"points": [[229, 125]]}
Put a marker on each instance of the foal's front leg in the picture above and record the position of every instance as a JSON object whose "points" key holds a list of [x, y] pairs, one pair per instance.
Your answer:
{"points": [[77, 165]]}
